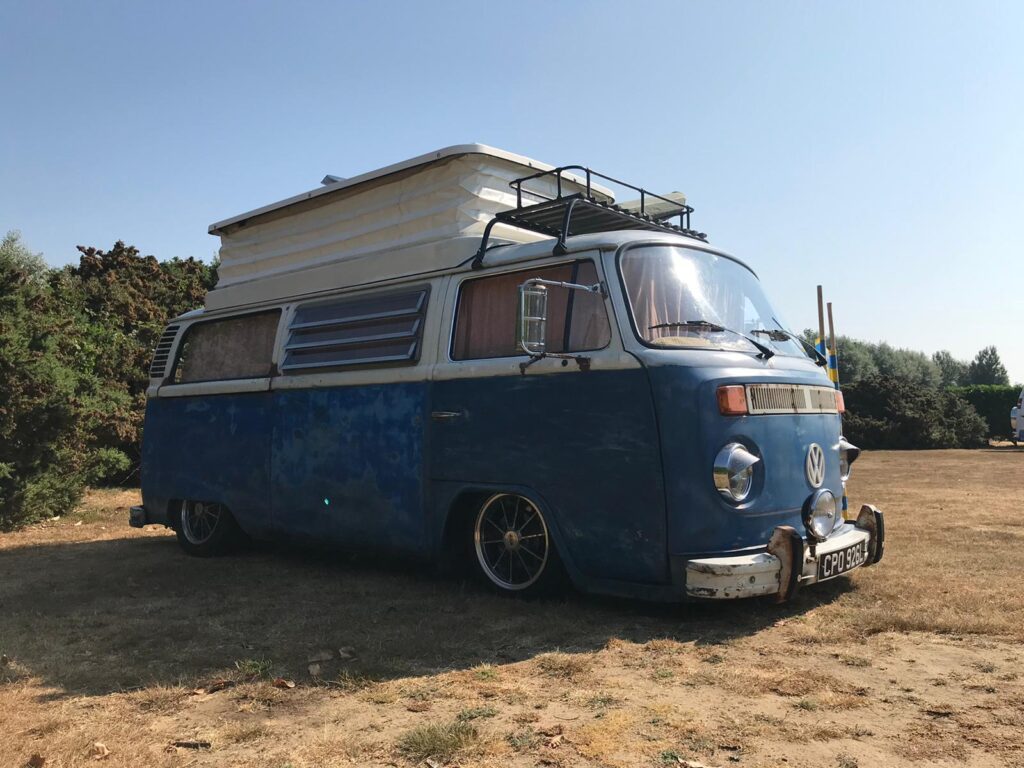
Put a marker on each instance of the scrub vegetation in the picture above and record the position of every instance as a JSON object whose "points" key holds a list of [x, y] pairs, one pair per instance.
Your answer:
{"points": [[75, 345], [903, 400], [292, 658]]}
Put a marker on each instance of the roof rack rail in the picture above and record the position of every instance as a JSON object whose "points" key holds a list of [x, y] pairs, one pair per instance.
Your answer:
{"points": [[581, 213]]}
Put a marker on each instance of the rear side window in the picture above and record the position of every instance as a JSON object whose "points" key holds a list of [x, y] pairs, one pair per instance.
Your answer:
{"points": [[485, 322], [358, 330], [235, 348]]}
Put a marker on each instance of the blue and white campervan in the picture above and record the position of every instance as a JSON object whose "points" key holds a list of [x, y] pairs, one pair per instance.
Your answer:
{"points": [[475, 357]]}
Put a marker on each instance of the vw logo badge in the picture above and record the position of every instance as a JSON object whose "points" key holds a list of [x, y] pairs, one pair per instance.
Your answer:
{"points": [[815, 465]]}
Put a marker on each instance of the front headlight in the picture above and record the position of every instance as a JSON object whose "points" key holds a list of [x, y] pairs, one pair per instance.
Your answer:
{"points": [[820, 512], [734, 472], [848, 453]]}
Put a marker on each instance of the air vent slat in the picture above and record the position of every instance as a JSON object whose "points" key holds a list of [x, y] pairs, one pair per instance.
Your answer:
{"points": [[161, 354], [790, 398]]}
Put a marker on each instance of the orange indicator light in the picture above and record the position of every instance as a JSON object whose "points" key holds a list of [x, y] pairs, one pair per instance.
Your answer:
{"points": [[732, 400]]}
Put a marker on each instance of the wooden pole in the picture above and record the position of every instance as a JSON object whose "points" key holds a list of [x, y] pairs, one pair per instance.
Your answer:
{"points": [[821, 321], [833, 347]]}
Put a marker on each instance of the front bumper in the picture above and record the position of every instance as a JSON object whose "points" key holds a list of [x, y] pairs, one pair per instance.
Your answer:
{"points": [[788, 563]]}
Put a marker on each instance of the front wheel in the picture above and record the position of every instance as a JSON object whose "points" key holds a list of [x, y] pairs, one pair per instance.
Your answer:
{"points": [[513, 547], [205, 528]]}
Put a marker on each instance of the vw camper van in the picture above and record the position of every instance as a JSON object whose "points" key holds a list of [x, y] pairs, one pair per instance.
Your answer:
{"points": [[478, 358]]}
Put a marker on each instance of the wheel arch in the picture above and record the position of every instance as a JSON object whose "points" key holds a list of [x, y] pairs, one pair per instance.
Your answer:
{"points": [[459, 503]]}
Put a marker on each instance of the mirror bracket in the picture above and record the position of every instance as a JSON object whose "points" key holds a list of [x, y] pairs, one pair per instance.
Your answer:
{"points": [[532, 317]]}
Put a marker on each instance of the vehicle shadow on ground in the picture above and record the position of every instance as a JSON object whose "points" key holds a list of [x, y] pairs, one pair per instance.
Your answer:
{"points": [[89, 618]]}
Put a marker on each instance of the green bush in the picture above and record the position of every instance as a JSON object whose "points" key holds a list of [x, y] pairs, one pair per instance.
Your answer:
{"points": [[75, 345], [899, 412], [993, 402], [42, 464]]}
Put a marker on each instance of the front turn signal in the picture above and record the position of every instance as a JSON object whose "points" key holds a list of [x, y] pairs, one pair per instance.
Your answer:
{"points": [[840, 402], [732, 400]]}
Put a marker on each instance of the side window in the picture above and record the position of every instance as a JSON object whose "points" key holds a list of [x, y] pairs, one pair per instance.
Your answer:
{"points": [[357, 330], [235, 348], [485, 320]]}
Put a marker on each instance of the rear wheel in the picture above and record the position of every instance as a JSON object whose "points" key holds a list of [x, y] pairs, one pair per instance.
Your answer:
{"points": [[205, 528], [513, 546]]}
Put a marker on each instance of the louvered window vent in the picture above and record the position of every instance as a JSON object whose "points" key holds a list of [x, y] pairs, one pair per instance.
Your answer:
{"points": [[363, 330], [791, 398], [158, 368]]}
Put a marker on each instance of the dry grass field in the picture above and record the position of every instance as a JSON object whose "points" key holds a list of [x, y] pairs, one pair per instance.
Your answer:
{"points": [[112, 635]]}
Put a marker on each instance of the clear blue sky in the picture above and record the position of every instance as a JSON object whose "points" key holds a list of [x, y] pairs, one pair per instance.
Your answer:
{"points": [[877, 148]]}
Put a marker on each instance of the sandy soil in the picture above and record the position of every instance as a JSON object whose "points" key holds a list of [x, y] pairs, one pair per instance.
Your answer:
{"points": [[112, 635]]}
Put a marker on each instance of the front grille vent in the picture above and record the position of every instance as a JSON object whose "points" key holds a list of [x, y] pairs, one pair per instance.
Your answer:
{"points": [[790, 398], [158, 368]]}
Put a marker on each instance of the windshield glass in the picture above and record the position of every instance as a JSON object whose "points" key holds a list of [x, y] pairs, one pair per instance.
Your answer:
{"points": [[682, 297]]}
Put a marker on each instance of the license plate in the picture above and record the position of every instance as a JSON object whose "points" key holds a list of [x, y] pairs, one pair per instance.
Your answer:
{"points": [[842, 560]]}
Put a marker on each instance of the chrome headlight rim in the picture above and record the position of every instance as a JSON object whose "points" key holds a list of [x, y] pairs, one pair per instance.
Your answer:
{"points": [[820, 526], [734, 472], [848, 453]]}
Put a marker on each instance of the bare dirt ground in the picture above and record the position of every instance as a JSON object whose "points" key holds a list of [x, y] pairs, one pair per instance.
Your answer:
{"points": [[112, 635]]}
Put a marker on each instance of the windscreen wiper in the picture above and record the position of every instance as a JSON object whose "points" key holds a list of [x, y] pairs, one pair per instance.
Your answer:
{"points": [[777, 334], [704, 325]]}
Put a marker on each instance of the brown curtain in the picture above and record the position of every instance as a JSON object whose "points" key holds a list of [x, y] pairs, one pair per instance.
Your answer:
{"points": [[486, 319], [654, 298], [239, 348]]}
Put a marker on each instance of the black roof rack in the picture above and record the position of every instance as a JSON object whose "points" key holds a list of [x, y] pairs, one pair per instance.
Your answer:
{"points": [[582, 213]]}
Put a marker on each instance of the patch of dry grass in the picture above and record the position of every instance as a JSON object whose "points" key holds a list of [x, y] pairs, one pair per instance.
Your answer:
{"points": [[107, 632], [441, 741], [565, 665], [246, 733]]}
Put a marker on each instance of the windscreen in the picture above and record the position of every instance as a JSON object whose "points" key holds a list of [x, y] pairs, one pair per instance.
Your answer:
{"points": [[683, 297]]}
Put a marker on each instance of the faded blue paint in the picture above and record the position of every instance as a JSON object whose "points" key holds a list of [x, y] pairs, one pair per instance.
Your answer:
{"points": [[587, 443], [347, 465], [693, 430], [620, 460], [213, 448]]}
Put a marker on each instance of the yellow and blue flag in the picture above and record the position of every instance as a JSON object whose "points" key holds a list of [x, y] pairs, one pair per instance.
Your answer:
{"points": [[833, 360], [833, 375]]}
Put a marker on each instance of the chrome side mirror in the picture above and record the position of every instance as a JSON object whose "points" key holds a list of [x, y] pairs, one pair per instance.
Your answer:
{"points": [[532, 318]]}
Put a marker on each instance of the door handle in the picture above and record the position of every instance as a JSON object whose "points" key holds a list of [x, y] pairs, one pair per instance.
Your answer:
{"points": [[446, 415]]}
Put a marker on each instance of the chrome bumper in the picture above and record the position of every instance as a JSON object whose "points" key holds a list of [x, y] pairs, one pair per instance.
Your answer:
{"points": [[788, 564]]}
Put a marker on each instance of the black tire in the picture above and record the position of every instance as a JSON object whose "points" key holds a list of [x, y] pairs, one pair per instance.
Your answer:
{"points": [[510, 532], [205, 529]]}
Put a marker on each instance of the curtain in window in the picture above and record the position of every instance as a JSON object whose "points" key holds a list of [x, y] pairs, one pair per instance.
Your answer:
{"points": [[239, 348], [486, 319]]}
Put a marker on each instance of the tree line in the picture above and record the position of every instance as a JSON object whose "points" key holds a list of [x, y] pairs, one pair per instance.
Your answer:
{"points": [[904, 399]]}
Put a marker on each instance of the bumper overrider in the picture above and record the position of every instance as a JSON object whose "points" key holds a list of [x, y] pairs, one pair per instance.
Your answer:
{"points": [[141, 516], [789, 562]]}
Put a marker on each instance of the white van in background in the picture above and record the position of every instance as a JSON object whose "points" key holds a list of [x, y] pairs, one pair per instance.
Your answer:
{"points": [[1017, 420]]}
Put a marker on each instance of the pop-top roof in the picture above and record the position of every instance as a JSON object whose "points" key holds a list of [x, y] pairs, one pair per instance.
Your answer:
{"points": [[422, 214], [455, 150]]}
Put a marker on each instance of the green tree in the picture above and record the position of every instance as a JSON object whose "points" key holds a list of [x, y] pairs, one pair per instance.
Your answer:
{"points": [[859, 360], [121, 301], [856, 361], [75, 345], [987, 368], [897, 412], [952, 372], [17, 255], [44, 457]]}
